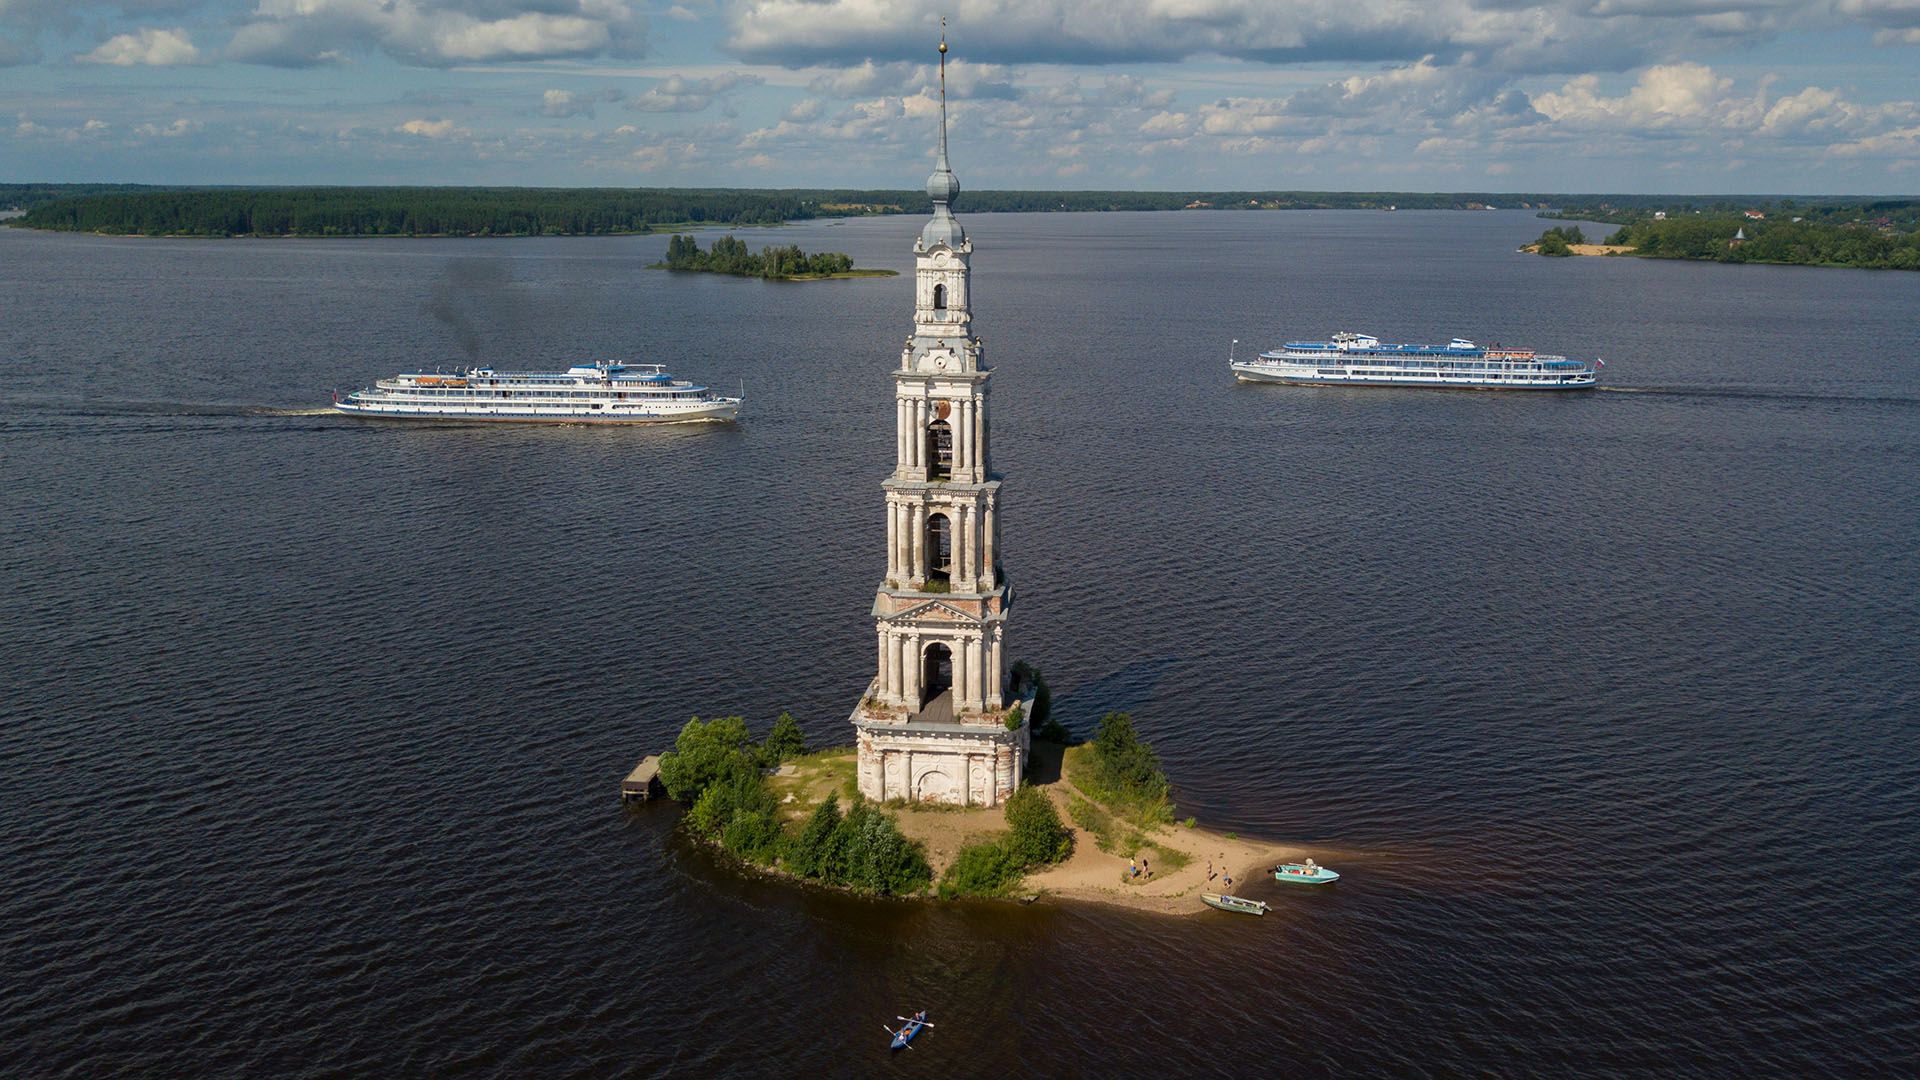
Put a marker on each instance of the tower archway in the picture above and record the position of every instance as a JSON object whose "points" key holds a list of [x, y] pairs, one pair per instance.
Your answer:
{"points": [[939, 298], [936, 673]]}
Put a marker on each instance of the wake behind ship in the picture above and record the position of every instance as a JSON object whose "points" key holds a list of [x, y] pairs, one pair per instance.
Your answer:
{"points": [[1361, 360], [605, 393]]}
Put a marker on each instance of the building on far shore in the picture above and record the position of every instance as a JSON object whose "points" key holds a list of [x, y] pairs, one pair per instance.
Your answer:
{"points": [[932, 725]]}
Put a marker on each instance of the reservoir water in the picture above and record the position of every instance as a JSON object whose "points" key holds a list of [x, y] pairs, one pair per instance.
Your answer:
{"points": [[1605, 705]]}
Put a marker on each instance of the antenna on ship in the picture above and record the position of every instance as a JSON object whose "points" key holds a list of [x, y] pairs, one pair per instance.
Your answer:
{"points": [[1230, 348]]}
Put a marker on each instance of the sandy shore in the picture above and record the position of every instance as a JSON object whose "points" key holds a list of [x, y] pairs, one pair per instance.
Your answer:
{"points": [[1587, 249], [1089, 874]]}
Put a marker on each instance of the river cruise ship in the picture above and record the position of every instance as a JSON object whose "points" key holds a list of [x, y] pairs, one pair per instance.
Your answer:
{"points": [[1361, 360], [604, 393]]}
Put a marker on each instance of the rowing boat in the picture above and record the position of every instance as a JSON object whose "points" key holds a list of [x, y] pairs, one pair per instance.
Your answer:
{"points": [[909, 1029], [1234, 903]]}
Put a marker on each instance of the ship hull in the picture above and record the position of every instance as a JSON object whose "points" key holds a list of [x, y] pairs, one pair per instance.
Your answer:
{"points": [[719, 412], [1306, 376]]}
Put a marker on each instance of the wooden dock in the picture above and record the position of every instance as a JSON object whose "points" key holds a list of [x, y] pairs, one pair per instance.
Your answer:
{"points": [[643, 781]]}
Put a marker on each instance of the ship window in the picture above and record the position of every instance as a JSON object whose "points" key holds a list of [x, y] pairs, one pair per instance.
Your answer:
{"points": [[939, 298]]}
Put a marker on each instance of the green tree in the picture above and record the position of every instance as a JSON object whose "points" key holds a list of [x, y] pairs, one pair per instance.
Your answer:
{"points": [[1553, 242], [878, 858], [1126, 768], [813, 853], [783, 742], [702, 753], [1035, 835]]}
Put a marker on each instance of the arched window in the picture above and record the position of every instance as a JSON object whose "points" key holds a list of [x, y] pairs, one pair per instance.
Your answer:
{"points": [[939, 298], [939, 547]]}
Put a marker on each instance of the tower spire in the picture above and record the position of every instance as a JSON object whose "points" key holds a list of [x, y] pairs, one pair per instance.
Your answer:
{"points": [[943, 186], [942, 166]]}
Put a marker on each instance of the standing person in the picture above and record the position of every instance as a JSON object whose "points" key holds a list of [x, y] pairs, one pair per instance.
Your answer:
{"points": [[1133, 868], [1226, 877], [1146, 867], [1209, 869]]}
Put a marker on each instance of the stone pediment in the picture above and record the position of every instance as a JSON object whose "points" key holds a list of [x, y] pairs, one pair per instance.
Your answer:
{"points": [[937, 610]]}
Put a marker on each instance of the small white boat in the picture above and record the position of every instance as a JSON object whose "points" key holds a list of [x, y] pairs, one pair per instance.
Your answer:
{"points": [[1234, 903], [1306, 873]]}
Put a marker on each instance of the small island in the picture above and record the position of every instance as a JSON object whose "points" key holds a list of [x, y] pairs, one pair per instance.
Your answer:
{"points": [[798, 815], [731, 256]]}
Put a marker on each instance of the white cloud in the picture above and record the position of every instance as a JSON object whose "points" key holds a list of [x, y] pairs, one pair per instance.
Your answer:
{"points": [[302, 33], [148, 46], [426, 129], [677, 93], [179, 127], [565, 103]]}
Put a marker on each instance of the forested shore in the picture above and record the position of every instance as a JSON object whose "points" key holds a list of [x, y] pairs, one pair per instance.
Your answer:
{"points": [[493, 211], [1877, 234]]}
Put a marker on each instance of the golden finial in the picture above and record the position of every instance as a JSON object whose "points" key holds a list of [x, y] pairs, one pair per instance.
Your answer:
{"points": [[943, 35]]}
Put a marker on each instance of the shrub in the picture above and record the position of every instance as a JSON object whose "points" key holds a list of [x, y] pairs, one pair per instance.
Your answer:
{"points": [[877, 857], [815, 853], [1014, 716], [783, 742], [1124, 767], [702, 754], [754, 835], [1034, 834], [989, 869]]}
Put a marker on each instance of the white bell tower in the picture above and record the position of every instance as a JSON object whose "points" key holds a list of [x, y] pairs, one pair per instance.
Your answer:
{"points": [[933, 723]]}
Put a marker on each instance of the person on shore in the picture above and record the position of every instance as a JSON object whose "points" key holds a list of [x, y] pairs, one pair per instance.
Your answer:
{"points": [[1226, 878], [1133, 868], [1146, 867]]}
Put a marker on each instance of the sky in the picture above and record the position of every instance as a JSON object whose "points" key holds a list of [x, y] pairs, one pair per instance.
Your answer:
{"points": [[1680, 96]]}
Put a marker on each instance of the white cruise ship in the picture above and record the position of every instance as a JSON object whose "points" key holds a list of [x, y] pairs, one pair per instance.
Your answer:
{"points": [[582, 394], [1361, 360]]}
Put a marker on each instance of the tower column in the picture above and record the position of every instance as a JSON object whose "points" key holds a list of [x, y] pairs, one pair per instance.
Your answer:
{"points": [[893, 539], [973, 545], [986, 546], [962, 675], [999, 665], [963, 441], [980, 439], [899, 432], [916, 543]]}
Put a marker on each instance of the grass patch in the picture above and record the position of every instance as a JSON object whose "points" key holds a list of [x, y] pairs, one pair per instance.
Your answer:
{"points": [[1167, 860], [1109, 833], [1144, 812]]}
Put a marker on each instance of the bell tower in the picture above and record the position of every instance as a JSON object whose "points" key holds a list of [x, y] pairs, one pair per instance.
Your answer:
{"points": [[933, 723]]}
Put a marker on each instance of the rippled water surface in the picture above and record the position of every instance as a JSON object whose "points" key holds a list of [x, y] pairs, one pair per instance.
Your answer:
{"points": [[1607, 702]]}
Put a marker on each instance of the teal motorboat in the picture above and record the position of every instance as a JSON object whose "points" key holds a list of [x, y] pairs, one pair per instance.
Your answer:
{"points": [[1234, 903], [1306, 873]]}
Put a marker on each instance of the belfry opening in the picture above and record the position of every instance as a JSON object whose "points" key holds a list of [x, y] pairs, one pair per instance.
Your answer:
{"points": [[939, 450]]}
